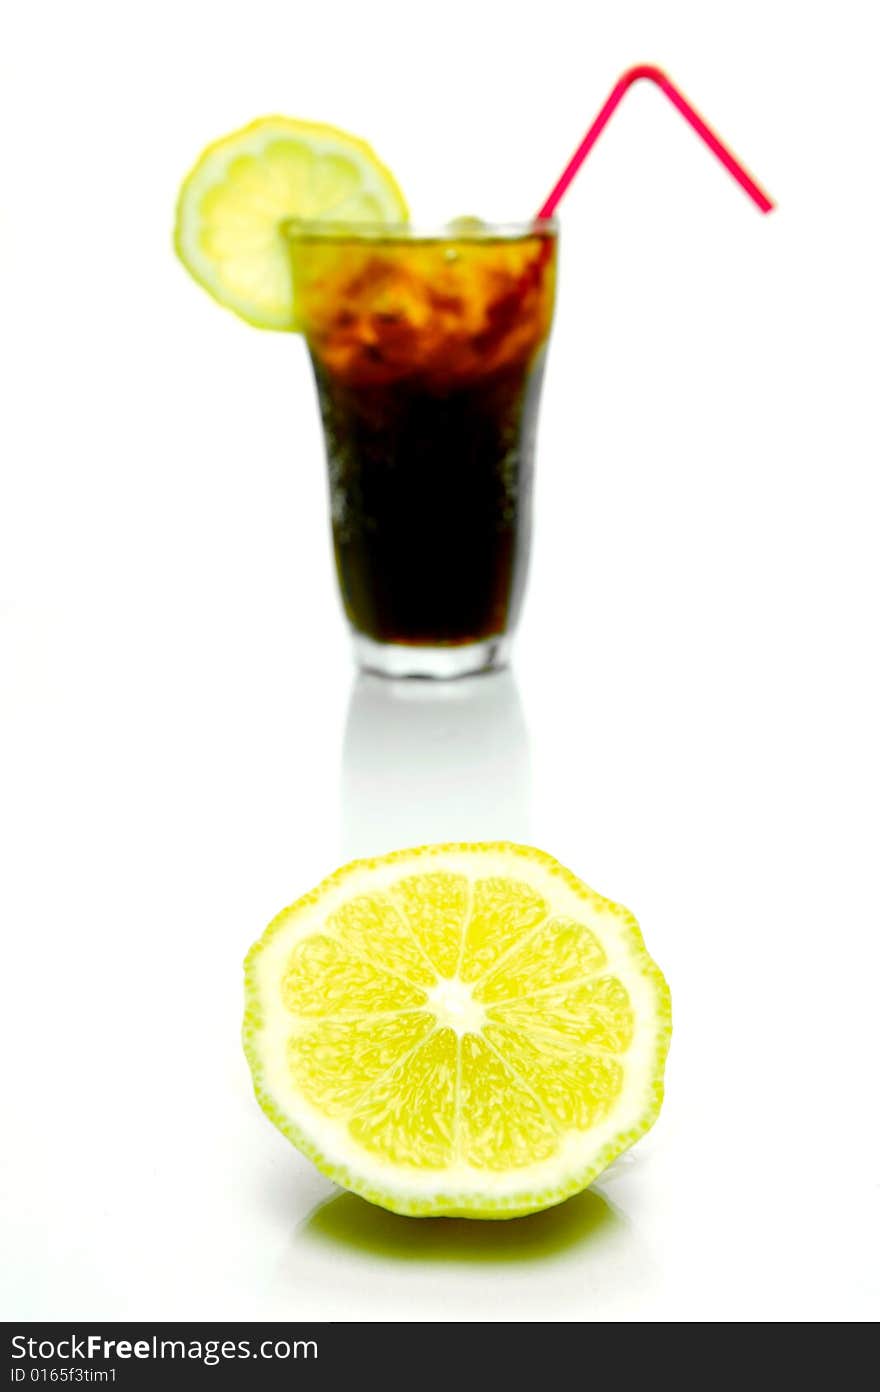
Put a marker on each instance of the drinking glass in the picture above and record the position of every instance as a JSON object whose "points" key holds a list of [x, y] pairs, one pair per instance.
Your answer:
{"points": [[428, 353]]}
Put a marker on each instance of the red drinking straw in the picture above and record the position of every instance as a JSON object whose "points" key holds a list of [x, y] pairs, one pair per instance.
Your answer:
{"points": [[693, 118]]}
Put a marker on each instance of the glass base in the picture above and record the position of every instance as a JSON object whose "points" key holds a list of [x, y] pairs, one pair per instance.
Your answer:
{"points": [[437, 664]]}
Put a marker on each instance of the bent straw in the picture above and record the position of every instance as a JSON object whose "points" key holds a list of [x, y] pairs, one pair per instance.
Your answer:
{"points": [[693, 118]]}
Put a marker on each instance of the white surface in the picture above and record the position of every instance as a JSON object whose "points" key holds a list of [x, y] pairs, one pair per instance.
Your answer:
{"points": [[692, 719]]}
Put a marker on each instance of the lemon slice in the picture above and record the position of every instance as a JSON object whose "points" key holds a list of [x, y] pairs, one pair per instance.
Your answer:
{"points": [[244, 186], [462, 1029]]}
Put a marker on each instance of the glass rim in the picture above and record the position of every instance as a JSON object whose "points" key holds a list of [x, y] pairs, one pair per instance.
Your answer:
{"points": [[408, 233]]}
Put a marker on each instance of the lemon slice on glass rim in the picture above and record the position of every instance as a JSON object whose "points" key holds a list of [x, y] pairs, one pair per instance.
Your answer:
{"points": [[241, 188], [461, 1029]]}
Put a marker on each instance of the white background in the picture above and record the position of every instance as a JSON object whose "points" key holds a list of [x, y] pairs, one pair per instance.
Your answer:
{"points": [[690, 722]]}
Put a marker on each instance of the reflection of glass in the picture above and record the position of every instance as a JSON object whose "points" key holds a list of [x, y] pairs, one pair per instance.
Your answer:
{"points": [[426, 762], [428, 354]]}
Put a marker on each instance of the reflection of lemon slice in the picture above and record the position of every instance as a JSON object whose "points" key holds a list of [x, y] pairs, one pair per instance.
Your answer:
{"points": [[458, 1029], [243, 186]]}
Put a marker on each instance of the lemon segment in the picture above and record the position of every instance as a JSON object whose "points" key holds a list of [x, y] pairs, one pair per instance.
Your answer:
{"points": [[461, 1029], [436, 906], [408, 1117], [243, 187]]}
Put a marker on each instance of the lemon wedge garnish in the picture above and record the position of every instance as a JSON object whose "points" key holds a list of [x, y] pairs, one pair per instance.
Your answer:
{"points": [[244, 187]]}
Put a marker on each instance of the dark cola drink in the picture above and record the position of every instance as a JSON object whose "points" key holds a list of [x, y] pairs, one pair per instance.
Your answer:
{"points": [[428, 354]]}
